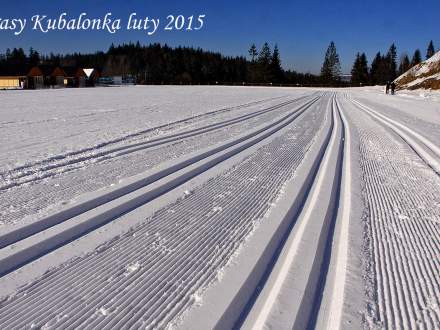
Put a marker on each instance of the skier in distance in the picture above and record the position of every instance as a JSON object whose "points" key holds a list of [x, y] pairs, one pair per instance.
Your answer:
{"points": [[393, 88]]}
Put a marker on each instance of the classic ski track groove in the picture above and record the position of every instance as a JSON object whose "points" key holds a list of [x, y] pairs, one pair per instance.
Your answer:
{"points": [[53, 165], [416, 141], [291, 257], [148, 277], [403, 228], [338, 290], [99, 175], [28, 252], [149, 130], [172, 273]]}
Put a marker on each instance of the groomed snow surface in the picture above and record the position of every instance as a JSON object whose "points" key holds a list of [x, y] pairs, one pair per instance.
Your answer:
{"points": [[219, 207]]}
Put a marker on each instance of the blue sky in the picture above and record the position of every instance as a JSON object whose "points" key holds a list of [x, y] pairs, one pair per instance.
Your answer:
{"points": [[302, 29]]}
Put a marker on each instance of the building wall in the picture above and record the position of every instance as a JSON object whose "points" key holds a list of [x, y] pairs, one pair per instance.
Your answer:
{"points": [[36, 82], [60, 81], [6, 83]]}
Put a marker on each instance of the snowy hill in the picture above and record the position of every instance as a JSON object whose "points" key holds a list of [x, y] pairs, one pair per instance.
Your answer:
{"points": [[425, 75]]}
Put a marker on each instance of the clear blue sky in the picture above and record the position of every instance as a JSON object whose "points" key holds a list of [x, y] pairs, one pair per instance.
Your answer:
{"points": [[302, 29]]}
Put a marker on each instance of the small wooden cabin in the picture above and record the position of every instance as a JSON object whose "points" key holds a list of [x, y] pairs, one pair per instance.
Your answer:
{"points": [[45, 76], [75, 77], [35, 78], [57, 78]]}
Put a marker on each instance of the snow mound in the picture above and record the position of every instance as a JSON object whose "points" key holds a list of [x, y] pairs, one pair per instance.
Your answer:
{"points": [[425, 75]]}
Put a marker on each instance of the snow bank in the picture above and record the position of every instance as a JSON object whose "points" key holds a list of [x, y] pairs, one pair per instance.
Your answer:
{"points": [[425, 75]]}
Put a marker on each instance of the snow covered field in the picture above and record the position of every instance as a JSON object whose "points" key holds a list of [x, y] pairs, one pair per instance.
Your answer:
{"points": [[203, 207]]}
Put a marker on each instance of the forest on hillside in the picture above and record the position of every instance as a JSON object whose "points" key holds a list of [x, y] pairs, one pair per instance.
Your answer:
{"points": [[162, 64]]}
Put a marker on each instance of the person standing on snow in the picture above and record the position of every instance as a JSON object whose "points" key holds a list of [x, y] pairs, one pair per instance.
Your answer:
{"points": [[387, 88], [393, 88]]}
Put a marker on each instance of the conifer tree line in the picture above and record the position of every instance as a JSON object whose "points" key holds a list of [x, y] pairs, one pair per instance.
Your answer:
{"points": [[265, 68], [385, 67], [161, 64]]}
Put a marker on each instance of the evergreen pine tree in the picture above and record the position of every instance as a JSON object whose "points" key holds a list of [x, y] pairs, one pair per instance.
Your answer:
{"points": [[253, 52], [431, 50], [264, 59], [359, 72], [111, 49], [265, 55], [253, 74], [417, 58], [379, 70], [391, 63], [363, 66], [331, 68], [405, 64], [275, 66], [355, 74], [34, 57]]}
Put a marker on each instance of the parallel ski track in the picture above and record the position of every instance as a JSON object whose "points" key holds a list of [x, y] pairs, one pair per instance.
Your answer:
{"points": [[249, 140], [180, 250], [414, 140], [403, 230], [330, 246], [313, 288], [57, 165], [67, 182], [341, 248], [143, 134]]}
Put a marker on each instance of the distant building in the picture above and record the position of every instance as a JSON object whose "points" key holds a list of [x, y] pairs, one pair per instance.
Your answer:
{"points": [[346, 78], [117, 80], [12, 79], [114, 77], [47, 76], [56, 78], [12, 82], [74, 77], [35, 78]]}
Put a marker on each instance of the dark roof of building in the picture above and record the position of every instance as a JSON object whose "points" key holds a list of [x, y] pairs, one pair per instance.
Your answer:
{"points": [[35, 72], [58, 72], [46, 70], [42, 70], [72, 71]]}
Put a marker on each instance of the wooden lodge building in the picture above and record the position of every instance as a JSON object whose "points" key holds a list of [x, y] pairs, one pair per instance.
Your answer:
{"points": [[46, 76], [13, 80]]}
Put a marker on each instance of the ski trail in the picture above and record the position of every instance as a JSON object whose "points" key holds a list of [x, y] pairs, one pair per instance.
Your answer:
{"points": [[133, 195], [338, 289], [271, 210], [410, 136], [167, 127], [314, 226], [24, 175], [151, 275], [38, 198], [401, 194]]}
